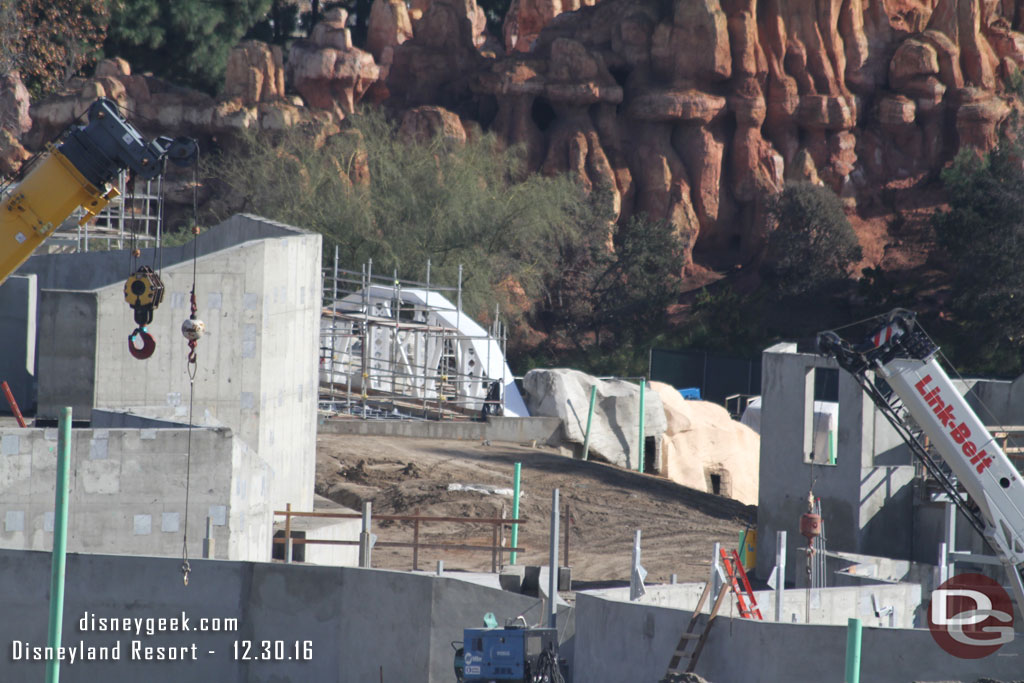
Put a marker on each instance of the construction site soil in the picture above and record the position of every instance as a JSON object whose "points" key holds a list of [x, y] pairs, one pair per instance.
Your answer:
{"points": [[607, 505]]}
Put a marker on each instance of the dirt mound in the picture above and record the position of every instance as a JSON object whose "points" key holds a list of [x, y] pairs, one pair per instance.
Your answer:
{"points": [[402, 476]]}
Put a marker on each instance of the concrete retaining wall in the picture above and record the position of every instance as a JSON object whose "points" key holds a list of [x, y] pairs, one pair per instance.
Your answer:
{"points": [[127, 492], [543, 430], [361, 625], [621, 641]]}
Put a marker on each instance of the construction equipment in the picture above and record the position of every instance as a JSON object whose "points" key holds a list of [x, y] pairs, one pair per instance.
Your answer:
{"points": [[514, 654], [896, 366], [77, 174]]}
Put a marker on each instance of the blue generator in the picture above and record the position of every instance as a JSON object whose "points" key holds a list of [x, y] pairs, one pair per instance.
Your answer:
{"points": [[512, 655]]}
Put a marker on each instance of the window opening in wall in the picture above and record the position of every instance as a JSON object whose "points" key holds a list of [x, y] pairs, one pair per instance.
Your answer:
{"points": [[821, 416], [716, 484]]}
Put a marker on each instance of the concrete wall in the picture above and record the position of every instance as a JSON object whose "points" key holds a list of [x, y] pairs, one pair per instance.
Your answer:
{"points": [[828, 605], [866, 497], [621, 641], [362, 624], [258, 291], [543, 430], [127, 492], [67, 332], [18, 302]]}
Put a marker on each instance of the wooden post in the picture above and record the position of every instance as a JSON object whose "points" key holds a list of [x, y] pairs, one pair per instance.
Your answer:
{"points": [[14, 405], [501, 539], [568, 518], [288, 533], [416, 541], [494, 548]]}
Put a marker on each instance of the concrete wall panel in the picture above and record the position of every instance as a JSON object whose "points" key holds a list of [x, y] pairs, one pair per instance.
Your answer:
{"points": [[127, 487], [361, 624]]}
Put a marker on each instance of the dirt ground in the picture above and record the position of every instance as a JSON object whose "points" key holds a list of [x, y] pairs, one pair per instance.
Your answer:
{"points": [[401, 476]]}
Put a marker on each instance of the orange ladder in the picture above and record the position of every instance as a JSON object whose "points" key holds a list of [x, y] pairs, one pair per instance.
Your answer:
{"points": [[736, 576]]}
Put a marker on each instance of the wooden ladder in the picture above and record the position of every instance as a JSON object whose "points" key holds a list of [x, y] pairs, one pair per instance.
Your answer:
{"points": [[734, 570]]}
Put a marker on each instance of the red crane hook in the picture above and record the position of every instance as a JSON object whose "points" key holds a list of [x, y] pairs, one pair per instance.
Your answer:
{"points": [[148, 344]]}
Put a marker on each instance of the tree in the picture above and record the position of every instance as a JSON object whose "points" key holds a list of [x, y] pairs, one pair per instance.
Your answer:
{"points": [[454, 204], [185, 41], [983, 234], [50, 41], [812, 242]]}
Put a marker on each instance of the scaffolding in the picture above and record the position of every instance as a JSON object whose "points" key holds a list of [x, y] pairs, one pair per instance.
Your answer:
{"points": [[134, 215], [399, 349]]}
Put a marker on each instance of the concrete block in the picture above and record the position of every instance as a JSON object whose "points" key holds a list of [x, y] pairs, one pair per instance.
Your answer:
{"points": [[511, 578]]}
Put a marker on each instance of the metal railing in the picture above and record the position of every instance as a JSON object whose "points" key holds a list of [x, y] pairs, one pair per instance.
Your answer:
{"points": [[497, 547]]}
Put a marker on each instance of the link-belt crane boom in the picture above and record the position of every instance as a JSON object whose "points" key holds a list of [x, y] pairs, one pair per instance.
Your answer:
{"points": [[77, 174], [921, 403]]}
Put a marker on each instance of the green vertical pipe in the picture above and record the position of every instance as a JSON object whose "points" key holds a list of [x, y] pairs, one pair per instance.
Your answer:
{"points": [[515, 510], [60, 543], [590, 420], [640, 441], [831, 447], [853, 632]]}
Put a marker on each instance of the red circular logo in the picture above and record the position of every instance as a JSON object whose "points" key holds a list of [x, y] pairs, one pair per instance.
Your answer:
{"points": [[970, 616]]}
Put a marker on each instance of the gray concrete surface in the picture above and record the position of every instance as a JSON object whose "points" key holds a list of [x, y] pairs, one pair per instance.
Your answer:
{"points": [[829, 606], [67, 331], [362, 625], [18, 303], [621, 641], [866, 497], [258, 291], [127, 492], [544, 430]]}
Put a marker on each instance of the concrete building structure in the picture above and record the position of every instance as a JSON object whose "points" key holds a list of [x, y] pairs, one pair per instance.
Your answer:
{"points": [[258, 289], [873, 498]]}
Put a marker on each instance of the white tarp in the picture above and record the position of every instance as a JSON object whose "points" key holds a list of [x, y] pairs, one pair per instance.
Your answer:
{"points": [[411, 364]]}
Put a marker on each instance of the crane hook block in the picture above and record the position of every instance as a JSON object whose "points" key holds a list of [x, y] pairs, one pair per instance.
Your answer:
{"points": [[148, 344], [143, 291]]}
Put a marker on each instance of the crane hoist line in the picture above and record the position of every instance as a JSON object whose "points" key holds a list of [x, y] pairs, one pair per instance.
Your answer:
{"points": [[76, 173]]}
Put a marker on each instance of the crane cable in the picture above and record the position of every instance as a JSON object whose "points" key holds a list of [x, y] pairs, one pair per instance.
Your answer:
{"points": [[192, 329]]}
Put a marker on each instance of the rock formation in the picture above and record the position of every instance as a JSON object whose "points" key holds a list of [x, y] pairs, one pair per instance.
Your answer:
{"points": [[327, 71], [615, 426], [707, 450], [14, 122], [690, 111]]}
